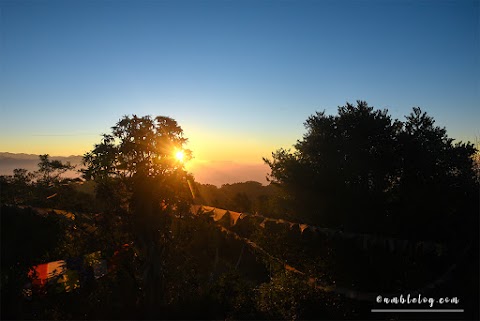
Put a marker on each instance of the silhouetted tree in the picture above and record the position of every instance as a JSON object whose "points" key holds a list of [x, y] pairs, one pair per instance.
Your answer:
{"points": [[361, 170], [16, 189], [32, 188], [436, 186], [476, 161], [135, 167], [49, 171]]}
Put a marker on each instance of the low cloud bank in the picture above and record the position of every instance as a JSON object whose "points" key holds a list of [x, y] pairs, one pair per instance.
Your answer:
{"points": [[214, 172], [10, 161], [225, 172]]}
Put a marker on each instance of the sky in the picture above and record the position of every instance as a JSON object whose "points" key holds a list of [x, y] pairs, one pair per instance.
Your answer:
{"points": [[240, 77]]}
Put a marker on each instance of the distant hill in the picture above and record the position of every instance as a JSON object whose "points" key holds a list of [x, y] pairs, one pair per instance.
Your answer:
{"points": [[10, 161]]}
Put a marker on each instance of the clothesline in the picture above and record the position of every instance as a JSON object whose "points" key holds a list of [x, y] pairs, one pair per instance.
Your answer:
{"points": [[367, 241], [313, 281], [57, 268]]}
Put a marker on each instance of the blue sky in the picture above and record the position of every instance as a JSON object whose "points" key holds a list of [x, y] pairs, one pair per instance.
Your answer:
{"points": [[241, 77]]}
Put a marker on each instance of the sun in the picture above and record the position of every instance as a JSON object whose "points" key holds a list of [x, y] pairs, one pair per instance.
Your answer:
{"points": [[179, 156]]}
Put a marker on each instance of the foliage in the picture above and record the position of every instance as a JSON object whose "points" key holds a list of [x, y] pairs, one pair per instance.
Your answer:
{"points": [[135, 165], [17, 188], [248, 197], [476, 160], [137, 193], [144, 185], [49, 171], [45, 187], [362, 171], [137, 146], [235, 295], [287, 297]]}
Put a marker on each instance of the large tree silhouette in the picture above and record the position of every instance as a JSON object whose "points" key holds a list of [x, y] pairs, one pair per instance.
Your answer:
{"points": [[363, 171], [141, 180]]}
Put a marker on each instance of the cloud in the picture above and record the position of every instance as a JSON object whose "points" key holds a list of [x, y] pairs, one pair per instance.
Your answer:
{"points": [[206, 172], [228, 172], [10, 161]]}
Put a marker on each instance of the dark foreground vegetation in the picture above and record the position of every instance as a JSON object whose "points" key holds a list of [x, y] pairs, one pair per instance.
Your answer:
{"points": [[364, 206]]}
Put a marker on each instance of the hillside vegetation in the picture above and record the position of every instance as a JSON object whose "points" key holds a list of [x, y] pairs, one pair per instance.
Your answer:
{"points": [[364, 206]]}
